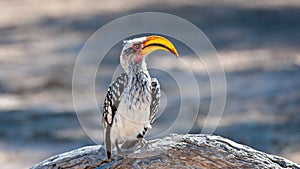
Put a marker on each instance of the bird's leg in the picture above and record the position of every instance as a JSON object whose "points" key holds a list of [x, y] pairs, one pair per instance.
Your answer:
{"points": [[129, 144], [143, 143], [119, 151]]}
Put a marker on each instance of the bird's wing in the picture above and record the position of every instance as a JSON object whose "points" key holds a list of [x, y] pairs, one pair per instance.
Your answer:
{"points": [[110, 106], [155, 99], [112, 98]]}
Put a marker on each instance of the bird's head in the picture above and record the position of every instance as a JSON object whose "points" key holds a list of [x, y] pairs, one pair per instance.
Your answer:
{"points": [[135, 50]]}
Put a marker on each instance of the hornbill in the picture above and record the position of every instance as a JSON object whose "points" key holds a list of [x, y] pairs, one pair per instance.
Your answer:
{"points": [[132, 100]]}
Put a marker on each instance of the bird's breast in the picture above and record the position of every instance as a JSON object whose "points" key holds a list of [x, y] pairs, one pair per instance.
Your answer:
{"points": [[136, 99], [133, 112], [137, 95]]}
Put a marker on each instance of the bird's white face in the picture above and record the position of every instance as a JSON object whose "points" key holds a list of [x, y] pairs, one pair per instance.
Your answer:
{"points": [[131, 53], [135, 50]]}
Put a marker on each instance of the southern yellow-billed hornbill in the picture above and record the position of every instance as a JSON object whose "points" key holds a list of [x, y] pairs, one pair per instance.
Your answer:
{"points": [[132, 100]]}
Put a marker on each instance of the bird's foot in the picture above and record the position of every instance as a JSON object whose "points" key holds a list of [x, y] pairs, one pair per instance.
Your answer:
{"points": [[143, 144], [120, 152]]}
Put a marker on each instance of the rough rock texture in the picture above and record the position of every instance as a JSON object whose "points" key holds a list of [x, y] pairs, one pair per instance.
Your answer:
{"points": [[174, 151]]}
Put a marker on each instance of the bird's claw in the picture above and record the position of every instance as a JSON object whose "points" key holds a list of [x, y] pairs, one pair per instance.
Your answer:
{"points": [[143, 144]]}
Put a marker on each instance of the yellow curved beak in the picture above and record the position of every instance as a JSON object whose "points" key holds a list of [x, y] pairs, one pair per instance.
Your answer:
{"points": [[154, 43]]}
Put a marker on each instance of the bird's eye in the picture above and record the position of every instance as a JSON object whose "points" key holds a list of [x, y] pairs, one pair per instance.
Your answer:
{"points": [[136, 46]]}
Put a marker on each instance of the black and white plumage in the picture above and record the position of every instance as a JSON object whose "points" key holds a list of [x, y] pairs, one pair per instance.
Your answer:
{"points": [[132, 100]]}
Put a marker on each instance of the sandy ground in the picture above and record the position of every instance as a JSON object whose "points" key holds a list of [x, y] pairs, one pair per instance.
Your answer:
{"points": [[258, 44]]}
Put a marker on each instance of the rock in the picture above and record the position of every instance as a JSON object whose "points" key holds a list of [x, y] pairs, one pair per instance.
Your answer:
{"points": [[173, 151]]}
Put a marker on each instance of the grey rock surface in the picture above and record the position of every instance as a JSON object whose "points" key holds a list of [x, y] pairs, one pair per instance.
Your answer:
{"points": [[173, 151]]}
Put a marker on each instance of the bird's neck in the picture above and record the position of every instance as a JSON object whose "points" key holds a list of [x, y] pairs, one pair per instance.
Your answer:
{"points": [[139, 83], [137, 92], [135, 69]]}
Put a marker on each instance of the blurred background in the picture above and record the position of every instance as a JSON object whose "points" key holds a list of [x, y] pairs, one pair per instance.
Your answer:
{"points": [[257, 42]]}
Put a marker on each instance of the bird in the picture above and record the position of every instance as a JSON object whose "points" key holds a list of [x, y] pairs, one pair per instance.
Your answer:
{"points": [[132, 99]]}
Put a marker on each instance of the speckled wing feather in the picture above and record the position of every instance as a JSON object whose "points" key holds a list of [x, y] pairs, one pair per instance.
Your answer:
{"points": [[110, 107], [155, 99]]}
